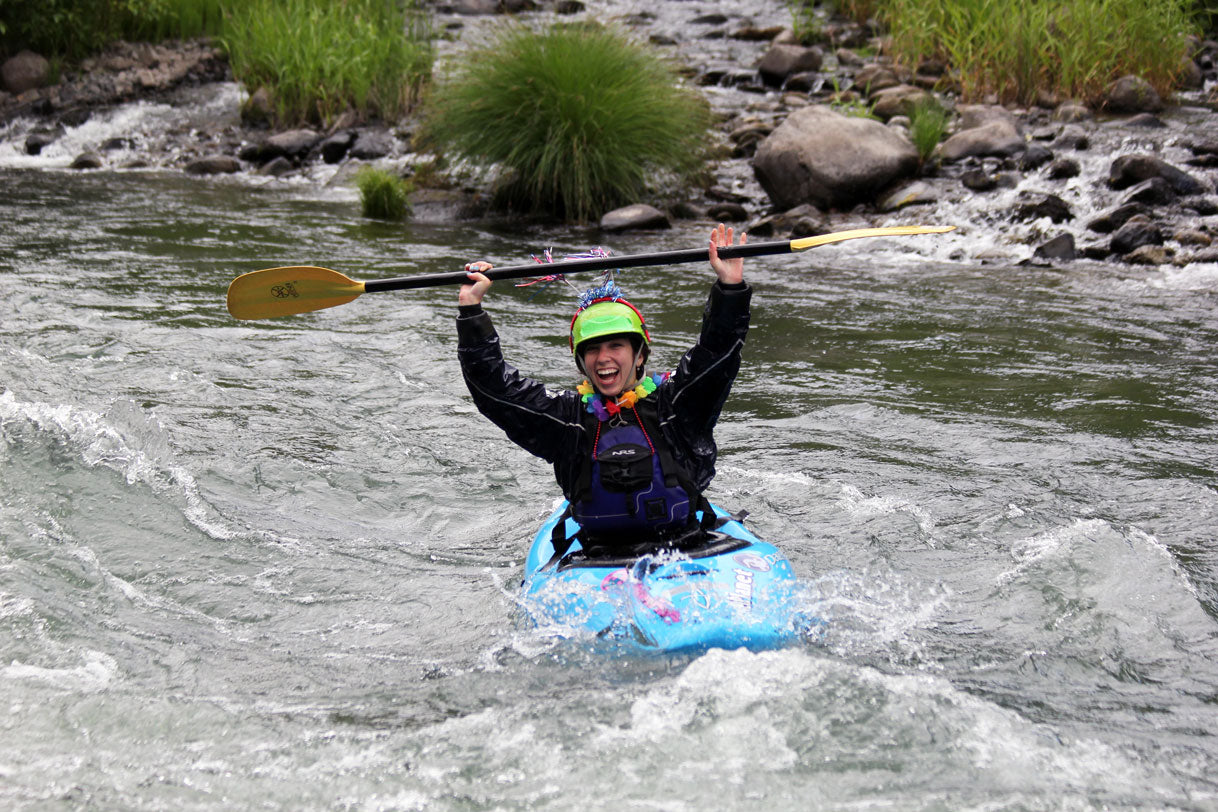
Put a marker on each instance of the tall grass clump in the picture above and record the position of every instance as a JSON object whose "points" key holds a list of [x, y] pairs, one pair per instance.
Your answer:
{"points": [[927, 125], [383, 195], [578, 118], [73, 29], [1015, 48], [319, 58]]}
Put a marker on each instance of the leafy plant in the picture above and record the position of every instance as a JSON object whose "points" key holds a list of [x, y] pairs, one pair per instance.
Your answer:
{"points": [[579, 118], [383, 195]]}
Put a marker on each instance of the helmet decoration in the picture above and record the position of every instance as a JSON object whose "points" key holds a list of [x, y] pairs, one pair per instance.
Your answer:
{"points": [[603, 311]]}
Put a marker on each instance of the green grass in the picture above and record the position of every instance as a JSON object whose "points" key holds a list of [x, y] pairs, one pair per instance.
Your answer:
{"points": [[320, 59], [927, 125], [1013, 48], [383, 195], [579, 119], [73, 29]]}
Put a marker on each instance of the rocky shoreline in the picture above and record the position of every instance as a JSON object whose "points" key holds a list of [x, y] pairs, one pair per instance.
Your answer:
{"points": [[794, 163]]}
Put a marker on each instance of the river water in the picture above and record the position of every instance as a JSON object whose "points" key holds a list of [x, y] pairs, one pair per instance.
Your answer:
{"points": [[272, 565]]}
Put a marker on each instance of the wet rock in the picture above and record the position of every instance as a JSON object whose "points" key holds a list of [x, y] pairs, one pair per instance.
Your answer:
{"points": [[801, 221], [1204, 206], [1063, 169], [1191, 77], [1192, 236], [848, 58], [897, 100], [335, 147], [1132, 94], [35, 143], [213, 165], [276, 168], [1071, 112], [1073, 137], [1035, 206], [1137, 232], [1149, 120], [820, 156], [1059, 248], [782, 61], [372, 144], [292, 144], [565, 7], [979, 180], [1033, 157], [912, 194], [634, 217], [997, 138], [802, 82], [1113, 219], [751, 33], [1152, 192], [1148, 255], [25, 71], [727, 212], [87, 160], [874, 78], [1129, 170], [259, 109]]}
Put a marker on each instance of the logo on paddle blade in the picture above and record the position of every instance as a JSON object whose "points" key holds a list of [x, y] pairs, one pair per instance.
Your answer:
{"points": [[284, 291]]}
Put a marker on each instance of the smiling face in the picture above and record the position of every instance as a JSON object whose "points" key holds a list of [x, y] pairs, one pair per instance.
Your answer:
{"points": [[611, 365]]}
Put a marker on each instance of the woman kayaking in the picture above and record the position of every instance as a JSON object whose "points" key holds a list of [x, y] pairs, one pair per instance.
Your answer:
{"points": [[632, 453]]}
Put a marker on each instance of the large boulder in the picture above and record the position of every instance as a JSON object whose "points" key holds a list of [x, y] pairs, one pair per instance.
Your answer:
{"points": [[25, 71], [822, 157]]}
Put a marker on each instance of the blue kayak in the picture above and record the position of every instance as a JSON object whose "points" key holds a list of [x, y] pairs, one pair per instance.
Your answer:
{"points": [[733, 590]]}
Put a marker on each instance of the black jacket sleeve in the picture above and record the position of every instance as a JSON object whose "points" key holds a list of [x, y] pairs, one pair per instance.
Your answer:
{"points": [[692, 399], [544, 423]]}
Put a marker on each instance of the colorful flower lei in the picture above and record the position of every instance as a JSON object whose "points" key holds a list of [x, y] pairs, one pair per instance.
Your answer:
{"points": [[595, 403]]}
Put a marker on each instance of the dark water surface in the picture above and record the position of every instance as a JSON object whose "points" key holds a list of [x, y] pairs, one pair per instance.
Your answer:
{"points": [[271, 564]]}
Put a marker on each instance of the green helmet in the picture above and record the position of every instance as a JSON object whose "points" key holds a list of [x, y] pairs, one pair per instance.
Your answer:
{"points": [[606, 317]]}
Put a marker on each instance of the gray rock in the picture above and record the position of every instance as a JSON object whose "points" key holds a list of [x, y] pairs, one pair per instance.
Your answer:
{"points": [[996, 138], [801, 221], [979, 180], [1129, 170], [293, 144], [276, 168], [1035, 206], [781, 61], [1034, 156], [897, 100], [335, 148], [1152, 192], [1113, 219], [259, 109], [1064, 168], [1148, 255], [1132, 94], [25, 71], [213, 165], [372, 144], [1134, 234], [634, 217], [36, 142], [1060, 247], [87, 160], [1071, 112], [1192, 236], [727, 212], [820, 156]]}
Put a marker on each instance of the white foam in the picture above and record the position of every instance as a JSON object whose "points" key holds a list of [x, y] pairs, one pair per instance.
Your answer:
{"points": [[96, 673]]}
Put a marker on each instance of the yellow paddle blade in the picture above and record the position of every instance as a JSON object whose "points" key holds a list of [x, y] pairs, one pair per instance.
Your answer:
{"points": [[858, 233], [288, 291]]}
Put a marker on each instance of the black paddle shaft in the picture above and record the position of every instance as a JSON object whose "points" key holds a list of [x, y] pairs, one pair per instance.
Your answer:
{"points": [[581, 266]]}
